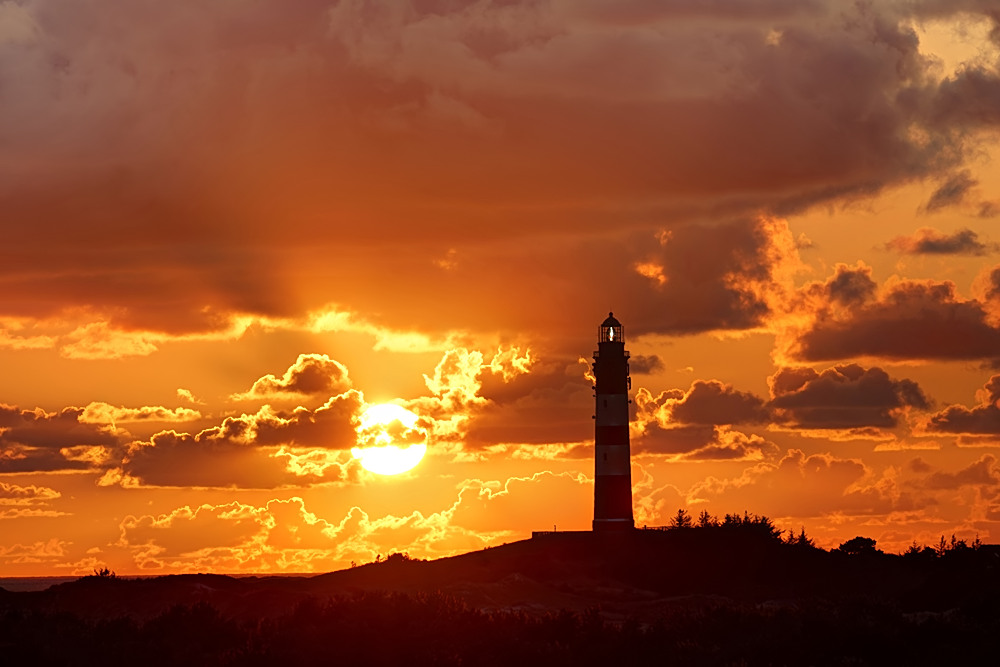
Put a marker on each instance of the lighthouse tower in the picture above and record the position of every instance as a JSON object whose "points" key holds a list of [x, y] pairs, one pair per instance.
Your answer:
{"points": [[612, 473]]}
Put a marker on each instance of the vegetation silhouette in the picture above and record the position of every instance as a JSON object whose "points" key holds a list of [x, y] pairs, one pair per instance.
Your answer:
{"points": [[702, 591]]}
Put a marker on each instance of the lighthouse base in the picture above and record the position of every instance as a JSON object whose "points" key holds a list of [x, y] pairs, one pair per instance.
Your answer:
{"points": [[612, 502], [613, 525]]}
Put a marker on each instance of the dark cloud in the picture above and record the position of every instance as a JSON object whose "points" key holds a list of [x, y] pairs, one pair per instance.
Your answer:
{"points": [[927, 241], [173, 459], [980, 473], [278, 159], [988, 209], [656, 439], [968, 100], [263, 450], [907, 319], [553, 403], [686, 279], [842, 397], [701, 443], [699, 278], [992, 286], [644, 364], [950, 193], [849, 285], [311, 374], [983, 419], [707, 402], [330, 426], [35, 440], [544, 416]]}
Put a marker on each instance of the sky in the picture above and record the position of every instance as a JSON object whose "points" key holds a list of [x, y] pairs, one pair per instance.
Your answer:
{"points": [[230, 229]]}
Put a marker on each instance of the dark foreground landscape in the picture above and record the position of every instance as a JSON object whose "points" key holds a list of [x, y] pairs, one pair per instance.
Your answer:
{"points": [[714, 595]]}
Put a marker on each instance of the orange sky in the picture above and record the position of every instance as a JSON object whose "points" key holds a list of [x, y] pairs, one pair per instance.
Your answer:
{"points": [[231, 228]]}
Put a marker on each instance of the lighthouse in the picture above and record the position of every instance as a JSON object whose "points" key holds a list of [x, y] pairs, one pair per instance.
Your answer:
{"points": [[612, 472]]}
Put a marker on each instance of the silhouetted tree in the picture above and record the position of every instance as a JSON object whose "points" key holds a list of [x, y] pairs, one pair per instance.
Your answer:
{"points": [[681, 520], [799, 540], [397, 557], [706, 520], [859, 545], [941, 548], [753, 523], [917, 551]]}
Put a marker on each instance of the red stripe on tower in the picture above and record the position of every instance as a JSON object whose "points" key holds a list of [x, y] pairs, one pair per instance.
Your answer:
{"points": [[612, 472]]}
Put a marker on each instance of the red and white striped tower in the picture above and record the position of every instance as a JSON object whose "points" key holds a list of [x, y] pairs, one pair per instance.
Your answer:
{"points": [[612, 472]]}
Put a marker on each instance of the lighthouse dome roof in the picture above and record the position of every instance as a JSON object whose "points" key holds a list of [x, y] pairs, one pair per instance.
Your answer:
{"points": [[611, 321]]}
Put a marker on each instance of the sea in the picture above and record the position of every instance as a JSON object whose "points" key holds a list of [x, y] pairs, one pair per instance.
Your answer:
{"points": [[21, 584]]}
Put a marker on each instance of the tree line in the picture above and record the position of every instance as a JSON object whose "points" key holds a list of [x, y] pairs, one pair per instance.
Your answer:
{"points": [[763, 526]]}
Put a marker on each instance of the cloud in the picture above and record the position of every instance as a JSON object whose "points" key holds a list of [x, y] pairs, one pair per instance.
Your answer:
{"points": [[645, 364], [982, 472], [730, 445], [311, 374], [928, 241], [104, 413], [284, 535], [696, 425], [588, 125], [509, 363], [950, 193], [182, 460], [843, 397], [98, 340], [968, 99], [275, 447], [983, 419], [718, 277], [12, 338], [266, 449], [807, 486], [701, 443], [552, 404], [186, 395], [331, 318], [46, 553], [223, 537], [119, 338], [13, 494], [544, 415], [706, 402], [37, 441], [847, 317], [456, 402]]}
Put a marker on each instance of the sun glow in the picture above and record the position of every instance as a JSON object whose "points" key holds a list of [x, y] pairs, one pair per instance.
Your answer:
{"points": [[390, 440]]}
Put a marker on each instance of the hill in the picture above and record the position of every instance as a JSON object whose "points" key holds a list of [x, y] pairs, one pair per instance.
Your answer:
{"points": [[698, 595]]}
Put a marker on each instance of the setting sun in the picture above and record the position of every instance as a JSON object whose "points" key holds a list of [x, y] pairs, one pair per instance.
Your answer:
{"points": [[392, 440]]}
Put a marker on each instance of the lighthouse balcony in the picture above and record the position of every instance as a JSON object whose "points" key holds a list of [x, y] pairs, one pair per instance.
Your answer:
{"points": [[597, 354]]}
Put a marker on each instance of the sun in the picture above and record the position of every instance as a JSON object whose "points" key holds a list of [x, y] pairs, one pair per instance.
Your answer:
{"points": [[390, 441]]}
